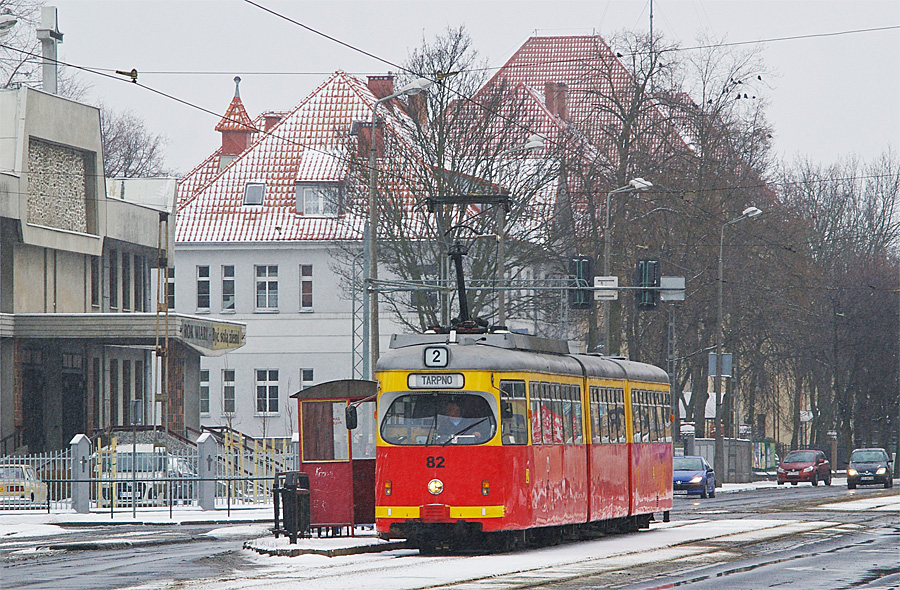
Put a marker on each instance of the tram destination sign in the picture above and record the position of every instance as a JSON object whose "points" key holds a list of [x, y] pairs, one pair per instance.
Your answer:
{"points": [[435, 381]]}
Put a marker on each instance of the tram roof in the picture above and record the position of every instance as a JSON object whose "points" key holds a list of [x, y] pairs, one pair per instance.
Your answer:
{"points": [[513, 352]]}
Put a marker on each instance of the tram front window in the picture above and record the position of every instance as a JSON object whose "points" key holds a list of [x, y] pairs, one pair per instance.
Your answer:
{"points": [[438, 419]]}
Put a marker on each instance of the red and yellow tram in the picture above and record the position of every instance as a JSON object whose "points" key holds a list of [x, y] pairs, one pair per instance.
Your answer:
{"points": [[511, 434]]}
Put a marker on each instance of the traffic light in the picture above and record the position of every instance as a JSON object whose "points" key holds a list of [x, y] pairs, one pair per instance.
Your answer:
{"points": [[581, 273], [646, 277]]}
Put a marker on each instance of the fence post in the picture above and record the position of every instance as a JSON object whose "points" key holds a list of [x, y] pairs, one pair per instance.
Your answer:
{"points": [[207, 450], [81, 473]]}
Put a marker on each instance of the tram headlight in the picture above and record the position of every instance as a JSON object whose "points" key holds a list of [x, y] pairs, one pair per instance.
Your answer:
{"points": [[435, 487]]}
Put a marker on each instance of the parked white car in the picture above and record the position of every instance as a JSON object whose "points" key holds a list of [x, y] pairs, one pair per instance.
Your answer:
{"points": [[145, 474], [19, 484]]}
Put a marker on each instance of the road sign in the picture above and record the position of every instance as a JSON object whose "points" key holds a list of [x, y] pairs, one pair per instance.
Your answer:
{"points": [[606, 288], [671, 288], [726, 364]]}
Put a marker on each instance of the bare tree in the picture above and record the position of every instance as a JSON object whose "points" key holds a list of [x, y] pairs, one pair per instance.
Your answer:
{"points": [[459, 139], [129, 148]]}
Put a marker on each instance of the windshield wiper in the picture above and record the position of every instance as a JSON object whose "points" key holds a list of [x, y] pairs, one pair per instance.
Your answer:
{"points": [[464, 430]]}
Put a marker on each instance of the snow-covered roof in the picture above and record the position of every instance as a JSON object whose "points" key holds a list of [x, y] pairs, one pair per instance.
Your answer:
{"points": [[308, 145]]}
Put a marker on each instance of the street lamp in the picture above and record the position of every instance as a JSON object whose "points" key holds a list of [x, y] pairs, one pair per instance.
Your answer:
{"points": [[634, 185], [371, 342], [7, 22], [719, 459], [534, 142]]}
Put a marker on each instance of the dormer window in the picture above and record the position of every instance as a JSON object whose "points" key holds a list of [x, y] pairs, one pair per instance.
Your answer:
{"points": [[254, 193], [318, 199]]}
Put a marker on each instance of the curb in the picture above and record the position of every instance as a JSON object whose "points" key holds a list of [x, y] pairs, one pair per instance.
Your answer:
{"points": [[117, 544], [356, 550]]}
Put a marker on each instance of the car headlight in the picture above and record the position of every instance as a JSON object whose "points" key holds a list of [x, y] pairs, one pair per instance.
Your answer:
{"points": [[881, 471], [852, 472], [808, 469], [435, 487], [780, 470], [696, 479]]}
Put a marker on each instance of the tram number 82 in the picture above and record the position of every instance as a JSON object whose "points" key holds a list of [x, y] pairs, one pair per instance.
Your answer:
{"points": [[434, 462]]}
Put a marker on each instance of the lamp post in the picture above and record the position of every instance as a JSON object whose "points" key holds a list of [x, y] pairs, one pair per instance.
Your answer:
{"points": [[634, 185], [719, 459], [371, 342], [534, 142]]}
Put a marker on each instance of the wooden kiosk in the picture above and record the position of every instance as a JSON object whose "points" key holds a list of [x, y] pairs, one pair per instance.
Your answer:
{"points": [[340, 462]]}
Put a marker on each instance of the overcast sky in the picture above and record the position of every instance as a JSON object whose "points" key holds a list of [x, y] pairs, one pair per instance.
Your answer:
{"points": [[832, 95]]}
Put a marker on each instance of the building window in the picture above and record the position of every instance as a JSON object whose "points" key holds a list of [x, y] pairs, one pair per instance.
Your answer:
{"points": [[203, 288], [228, 288], [204, 392], [228, 404], [113, 279], [139, 270], [267, 391], [127, 409], [254, 193], [114, 398], [306, 287], [317, 199], [306, 377], [267, 288], [126, 281], [95, 282], [170, 292]]}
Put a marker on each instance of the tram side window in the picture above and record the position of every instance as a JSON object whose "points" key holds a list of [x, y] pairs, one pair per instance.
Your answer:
{"points": [[596, 414], [617, 416], [576, 414], [565, 394], [514, 418], [546, 414], [667, 412], [536, 418]]}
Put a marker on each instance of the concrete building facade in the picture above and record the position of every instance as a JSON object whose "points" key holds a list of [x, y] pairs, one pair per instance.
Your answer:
{"points": [[78, 322]]}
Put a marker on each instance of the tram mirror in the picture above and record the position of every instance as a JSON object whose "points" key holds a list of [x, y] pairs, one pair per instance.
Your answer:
{"points": [[506, 409], [350, 417]]}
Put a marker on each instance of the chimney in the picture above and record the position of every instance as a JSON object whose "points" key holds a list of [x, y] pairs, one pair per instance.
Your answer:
{"points": [[236, 127], [271, 119], [418, 108], [550, 96], [50, 37], [364, 139], [381, 86], [556, 97]]}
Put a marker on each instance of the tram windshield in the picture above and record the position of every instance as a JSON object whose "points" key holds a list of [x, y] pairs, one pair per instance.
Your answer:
{"points": [[434, 418]]}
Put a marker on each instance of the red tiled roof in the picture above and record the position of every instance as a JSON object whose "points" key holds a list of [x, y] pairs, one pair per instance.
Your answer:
{"points": [[236, 118], [308, 145], [592, 73]]}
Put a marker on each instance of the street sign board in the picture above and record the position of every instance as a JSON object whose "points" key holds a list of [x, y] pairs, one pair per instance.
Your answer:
{"points": [[726, 364], [671, 288], [606, 288]]}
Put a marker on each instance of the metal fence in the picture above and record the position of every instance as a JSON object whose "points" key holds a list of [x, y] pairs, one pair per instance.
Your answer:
{"points": [[51, 488], [130, 477]]}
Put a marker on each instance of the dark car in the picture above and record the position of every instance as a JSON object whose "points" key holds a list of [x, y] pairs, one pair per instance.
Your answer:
{"points": [[805, 465], [693, 475], [869, 467]]}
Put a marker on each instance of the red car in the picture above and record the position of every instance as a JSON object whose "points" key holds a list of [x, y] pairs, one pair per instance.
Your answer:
{"points": [[805, 465]]}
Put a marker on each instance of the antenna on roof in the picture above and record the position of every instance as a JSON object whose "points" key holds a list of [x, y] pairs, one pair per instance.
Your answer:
{"points": [[237, 86]]}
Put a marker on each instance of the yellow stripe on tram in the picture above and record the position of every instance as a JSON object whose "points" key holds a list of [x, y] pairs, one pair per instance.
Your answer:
{"points": [[473, 512]]}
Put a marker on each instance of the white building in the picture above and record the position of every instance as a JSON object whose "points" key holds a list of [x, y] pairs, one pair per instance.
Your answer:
{"points": [[260, 228]]}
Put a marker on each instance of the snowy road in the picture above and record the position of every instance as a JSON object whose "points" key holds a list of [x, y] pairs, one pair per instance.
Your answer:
{"points": [[781, 532]]}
